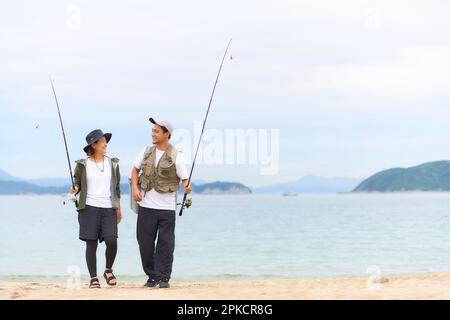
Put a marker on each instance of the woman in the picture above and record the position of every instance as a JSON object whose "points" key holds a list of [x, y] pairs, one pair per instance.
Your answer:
{"points": [[97, 181]]}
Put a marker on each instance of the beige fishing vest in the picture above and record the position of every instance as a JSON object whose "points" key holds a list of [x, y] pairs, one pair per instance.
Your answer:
{"points": [[163, 178]]}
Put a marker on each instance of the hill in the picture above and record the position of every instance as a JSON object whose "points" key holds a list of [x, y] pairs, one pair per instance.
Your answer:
{"points": [[430, 176]]}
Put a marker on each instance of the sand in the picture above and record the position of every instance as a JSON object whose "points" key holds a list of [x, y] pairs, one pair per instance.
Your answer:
{"points": [[425, 286]]}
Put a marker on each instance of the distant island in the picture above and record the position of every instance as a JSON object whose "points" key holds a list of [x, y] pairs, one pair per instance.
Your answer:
{"points": [[11, 185], [22, 187], [430, 176], [221, 187]]}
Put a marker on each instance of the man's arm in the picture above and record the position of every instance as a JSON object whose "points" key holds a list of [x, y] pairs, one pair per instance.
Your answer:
{"points": [[186, 187], [118, 182], [134, 184], [182, 172], [119, 212]]}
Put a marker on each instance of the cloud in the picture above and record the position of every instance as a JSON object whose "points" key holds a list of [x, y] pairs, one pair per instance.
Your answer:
{"points": [[414, 72], [314, 69]]}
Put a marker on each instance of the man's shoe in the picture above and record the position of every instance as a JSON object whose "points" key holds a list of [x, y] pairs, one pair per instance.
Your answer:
{"points": [[164, 283], [151, 283]]}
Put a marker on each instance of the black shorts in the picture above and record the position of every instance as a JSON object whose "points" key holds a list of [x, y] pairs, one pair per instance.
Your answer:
{"points": [[97, 223]]}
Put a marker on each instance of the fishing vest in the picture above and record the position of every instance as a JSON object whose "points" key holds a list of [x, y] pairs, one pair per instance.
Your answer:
{"points": [[163, 178]]}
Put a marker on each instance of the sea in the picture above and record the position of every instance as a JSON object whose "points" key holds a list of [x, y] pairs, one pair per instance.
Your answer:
{"points": [[243, 237]]}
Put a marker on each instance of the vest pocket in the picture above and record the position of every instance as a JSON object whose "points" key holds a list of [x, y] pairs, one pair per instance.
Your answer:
{"points": [[143, 182], [167, 170], [168, 187]]}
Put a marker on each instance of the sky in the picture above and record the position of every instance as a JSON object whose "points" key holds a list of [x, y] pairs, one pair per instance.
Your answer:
{"points": [[330, 88]]}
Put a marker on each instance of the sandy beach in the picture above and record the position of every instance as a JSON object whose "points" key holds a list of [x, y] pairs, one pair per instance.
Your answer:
{"points": [[425, 286]]}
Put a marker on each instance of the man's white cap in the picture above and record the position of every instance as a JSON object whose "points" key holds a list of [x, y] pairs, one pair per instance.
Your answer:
{"points": [[163, 123]]}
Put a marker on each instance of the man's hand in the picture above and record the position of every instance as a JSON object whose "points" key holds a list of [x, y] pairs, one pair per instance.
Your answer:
{"points": [[73, 190], [119, 215], [137, 195], [186, 187]]}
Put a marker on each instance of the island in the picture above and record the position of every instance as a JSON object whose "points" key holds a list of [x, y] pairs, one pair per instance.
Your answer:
{"points": [[430, 176]]}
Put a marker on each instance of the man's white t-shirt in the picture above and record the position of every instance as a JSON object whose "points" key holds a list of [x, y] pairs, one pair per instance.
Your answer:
{"points": [[98, 184], [156, 200]]}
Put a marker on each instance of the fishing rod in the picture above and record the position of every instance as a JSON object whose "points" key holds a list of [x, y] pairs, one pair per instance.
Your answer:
{"points": [[73, 197], [188, 202]]}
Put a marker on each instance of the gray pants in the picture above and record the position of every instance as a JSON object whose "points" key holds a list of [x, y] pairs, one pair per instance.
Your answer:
{"points": [[156, 262]]}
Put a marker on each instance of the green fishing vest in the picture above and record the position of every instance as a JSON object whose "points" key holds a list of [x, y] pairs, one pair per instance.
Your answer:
{"points": [[163, 178]]}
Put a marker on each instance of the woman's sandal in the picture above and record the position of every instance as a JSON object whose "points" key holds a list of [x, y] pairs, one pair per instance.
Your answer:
{"points": [[94, 283], [108, 279]]}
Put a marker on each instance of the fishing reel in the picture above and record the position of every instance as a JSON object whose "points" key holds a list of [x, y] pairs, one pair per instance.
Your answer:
{"points": [[71, 198], [187, 203]]}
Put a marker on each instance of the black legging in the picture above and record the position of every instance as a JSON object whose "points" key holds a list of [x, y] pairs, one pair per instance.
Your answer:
{"points": [[91, 255]]}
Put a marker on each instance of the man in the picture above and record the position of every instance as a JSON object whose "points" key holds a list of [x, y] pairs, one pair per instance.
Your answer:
{"points": [[161, 168]]}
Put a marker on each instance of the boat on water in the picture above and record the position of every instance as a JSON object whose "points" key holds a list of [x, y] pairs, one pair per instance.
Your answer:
{"points": [[290, 194]]}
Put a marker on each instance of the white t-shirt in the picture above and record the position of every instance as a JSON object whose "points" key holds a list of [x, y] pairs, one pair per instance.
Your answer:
{"points": [[156, 200], [98, 184]]}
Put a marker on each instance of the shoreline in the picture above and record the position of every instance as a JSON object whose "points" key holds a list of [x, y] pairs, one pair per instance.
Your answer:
{"points": [[413, 286]]}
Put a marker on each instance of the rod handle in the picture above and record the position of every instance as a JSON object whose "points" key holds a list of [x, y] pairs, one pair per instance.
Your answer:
{"points": [[73, 185], [182, 204]]}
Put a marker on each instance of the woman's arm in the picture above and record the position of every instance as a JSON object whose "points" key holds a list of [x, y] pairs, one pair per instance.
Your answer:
{"points": [[77, 180]]}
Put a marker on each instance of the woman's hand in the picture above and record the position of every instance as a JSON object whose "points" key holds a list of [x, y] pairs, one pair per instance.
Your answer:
{"points": [[74, 190], [119, 215]]}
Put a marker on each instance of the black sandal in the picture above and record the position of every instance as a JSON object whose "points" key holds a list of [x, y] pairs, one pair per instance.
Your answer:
{"points": [[108, 279], [94, 283]]}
